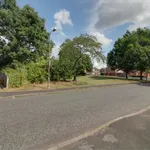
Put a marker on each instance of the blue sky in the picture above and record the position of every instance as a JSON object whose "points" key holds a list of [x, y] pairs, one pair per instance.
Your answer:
{"points": [[47, 8], [106, 19]]}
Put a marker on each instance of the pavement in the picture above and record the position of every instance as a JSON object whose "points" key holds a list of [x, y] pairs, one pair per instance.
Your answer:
{"points": [[42, 121], [132, 133], [5, 94]]}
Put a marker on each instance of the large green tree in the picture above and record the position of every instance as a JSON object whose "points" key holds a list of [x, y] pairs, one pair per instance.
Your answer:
{"points": [[131, 52], [142, 50], [23, 36], [120, 57], [74, 51]]}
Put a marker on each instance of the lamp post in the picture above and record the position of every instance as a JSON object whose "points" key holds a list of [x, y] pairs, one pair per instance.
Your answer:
{"points": [[49, 59]]}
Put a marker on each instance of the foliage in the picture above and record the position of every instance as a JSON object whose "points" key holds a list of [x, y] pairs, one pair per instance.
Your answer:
{"points": [[142, 50], [85, 65], [25, 43], [25, 38], [131, 52], [55, 71], [37, 71], [102, 74], [74, 52], [17, 77], [60, 70], [120, 57]]}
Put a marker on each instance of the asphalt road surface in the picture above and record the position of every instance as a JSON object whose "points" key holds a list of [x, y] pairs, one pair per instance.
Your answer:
{"points": [[40, 122]]}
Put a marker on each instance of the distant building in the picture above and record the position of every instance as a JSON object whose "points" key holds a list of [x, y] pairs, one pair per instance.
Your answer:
{"points": [[95, 71], [117, 72], [110, 72]]}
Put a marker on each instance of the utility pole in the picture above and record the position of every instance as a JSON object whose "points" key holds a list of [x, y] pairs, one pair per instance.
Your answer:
{"points": [[49, 58]]}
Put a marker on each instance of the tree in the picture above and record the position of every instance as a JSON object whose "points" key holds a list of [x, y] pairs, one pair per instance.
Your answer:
{"points": [[37, 71], [120, 57], [85, 64], [25, 33], [142, 53], [131, 52], [74, 51], [7, 4]]}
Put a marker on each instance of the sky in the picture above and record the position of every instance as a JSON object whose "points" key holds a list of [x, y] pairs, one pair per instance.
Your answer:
{"points": [[106, 19]]}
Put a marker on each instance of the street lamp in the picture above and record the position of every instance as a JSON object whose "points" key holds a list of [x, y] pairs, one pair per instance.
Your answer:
{"points": [[49, 59]]}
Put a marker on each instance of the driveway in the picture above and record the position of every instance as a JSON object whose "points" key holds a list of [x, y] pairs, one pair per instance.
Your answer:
{"points": [[40, 122]]}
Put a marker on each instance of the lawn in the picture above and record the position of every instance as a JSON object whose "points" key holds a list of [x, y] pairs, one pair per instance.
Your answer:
{"points": [[81, 81], [101, 80]]}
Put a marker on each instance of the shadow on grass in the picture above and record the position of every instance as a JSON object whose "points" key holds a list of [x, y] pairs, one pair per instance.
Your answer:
{"points": [[112, 78], [144, 83]]}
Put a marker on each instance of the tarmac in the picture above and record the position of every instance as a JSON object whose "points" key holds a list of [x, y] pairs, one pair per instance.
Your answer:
{"points": [[131, 133]]}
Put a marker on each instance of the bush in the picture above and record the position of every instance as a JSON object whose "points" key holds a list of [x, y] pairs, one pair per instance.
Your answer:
{"points": [[60, 71], [37, 72], [17, 77], [65, 70], [55, 71], [102, 74]]}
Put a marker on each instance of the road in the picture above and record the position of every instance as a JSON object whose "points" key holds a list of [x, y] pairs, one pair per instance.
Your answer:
{"points": [[39, 122]]}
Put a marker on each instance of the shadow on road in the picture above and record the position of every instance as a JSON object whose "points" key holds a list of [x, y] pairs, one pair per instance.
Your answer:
{"points": [[144, 84]]}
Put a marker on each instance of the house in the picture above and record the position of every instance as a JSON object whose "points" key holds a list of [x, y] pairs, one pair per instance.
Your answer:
{"points": [[110, 72], [95, 71], [117, 72]]}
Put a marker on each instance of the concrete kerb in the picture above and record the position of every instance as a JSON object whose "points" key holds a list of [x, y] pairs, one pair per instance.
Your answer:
{"points": [[90, 133], [53, 91]]}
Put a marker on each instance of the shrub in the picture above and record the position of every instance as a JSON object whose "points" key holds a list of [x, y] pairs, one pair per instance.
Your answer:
{"points": [[60, 71], [55, 71], [37, 72], [17, 77]]}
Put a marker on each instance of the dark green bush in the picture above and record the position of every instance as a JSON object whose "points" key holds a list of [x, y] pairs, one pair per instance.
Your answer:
{"points": [[60, 71]]}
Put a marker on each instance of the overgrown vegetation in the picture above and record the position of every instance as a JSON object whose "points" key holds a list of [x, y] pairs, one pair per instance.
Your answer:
{"points": [[24, 48]]}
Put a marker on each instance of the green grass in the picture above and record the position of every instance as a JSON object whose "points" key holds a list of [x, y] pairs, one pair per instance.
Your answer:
{"points": [[81, 81], [96, 80]]}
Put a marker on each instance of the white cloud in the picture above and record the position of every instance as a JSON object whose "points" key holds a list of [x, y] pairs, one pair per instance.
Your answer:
{"points": [[58, 24], [111, 13], [62, 18], [102, 39], [99, 65], [55, 50]]}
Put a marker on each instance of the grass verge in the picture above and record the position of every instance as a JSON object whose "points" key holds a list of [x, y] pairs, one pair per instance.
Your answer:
{"points": [[81, 81]]}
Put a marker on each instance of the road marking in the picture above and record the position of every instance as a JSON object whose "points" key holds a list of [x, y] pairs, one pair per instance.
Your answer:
{"points": [[92, 132]]}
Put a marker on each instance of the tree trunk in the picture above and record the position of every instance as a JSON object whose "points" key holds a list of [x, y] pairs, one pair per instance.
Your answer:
{"points": [[141, 75], [126, 75], [146, 76], [75, 76]]}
